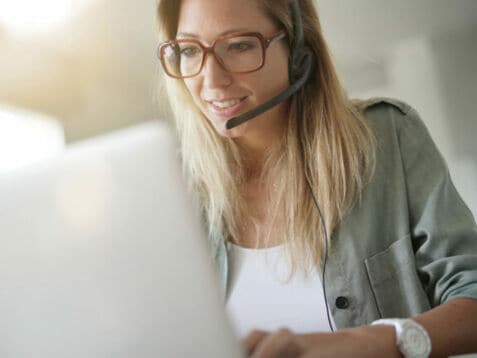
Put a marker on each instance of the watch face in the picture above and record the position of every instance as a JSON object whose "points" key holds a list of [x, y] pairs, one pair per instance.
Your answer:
{"points": [[414, 341]]}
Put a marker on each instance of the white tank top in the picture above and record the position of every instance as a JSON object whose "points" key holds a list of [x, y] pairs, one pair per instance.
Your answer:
{"points": [[259, 298]]}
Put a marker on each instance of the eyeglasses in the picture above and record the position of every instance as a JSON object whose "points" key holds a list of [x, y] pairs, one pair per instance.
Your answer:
{"points": [[236, 53]]}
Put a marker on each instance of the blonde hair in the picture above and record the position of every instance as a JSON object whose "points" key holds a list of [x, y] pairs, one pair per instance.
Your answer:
{"points": [[338, 146]]}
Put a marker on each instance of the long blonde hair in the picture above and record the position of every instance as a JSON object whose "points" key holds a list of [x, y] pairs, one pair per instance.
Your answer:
{"points": [[338, 146]]}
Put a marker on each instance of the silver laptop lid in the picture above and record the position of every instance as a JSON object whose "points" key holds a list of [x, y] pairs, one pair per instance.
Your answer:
{"points": [[102, 254]]}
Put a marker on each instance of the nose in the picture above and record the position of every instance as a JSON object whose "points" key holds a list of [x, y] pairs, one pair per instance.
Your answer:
{"points": [[214, 76]]}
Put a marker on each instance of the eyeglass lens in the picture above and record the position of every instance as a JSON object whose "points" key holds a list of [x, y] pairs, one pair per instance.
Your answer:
{"points": [[236, 54]]}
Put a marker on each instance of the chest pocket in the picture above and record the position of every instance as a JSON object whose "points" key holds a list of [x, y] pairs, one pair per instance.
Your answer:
{"points": [[394, 281]]}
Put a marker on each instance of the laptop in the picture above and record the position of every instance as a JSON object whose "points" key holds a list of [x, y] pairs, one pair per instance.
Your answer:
{"points": [[102, 254]]}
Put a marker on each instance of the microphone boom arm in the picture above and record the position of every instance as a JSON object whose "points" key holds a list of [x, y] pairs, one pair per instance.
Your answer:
{"points": [[294, 87]]}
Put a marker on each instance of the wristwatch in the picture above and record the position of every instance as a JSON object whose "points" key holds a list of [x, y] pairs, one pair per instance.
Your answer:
{"points": [[411, 338]]}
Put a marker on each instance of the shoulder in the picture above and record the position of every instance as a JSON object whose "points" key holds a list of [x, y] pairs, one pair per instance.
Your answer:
{"points": [[383, 103], [383, 113], [390, 115], [399, 131], [402, 135]]}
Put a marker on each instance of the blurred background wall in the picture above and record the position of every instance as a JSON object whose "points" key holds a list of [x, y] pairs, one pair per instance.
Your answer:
{"points": [[90, 65]]}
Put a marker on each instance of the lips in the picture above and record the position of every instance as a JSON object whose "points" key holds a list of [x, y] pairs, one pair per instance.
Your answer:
{"points": [[227, 107]]}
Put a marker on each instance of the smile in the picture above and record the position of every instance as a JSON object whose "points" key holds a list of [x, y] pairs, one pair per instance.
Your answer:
{"points": [[226, 104], [228, 107]]}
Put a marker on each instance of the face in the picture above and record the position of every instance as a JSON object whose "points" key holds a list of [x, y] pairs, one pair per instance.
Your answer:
{"points": [[221, 95]]}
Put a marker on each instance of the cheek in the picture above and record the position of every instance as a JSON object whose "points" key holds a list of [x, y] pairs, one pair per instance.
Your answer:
{"points": [[274, 75], [280, 68]]}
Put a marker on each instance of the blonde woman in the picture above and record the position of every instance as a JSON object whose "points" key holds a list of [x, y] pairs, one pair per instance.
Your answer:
{"points": [[324, 215]]}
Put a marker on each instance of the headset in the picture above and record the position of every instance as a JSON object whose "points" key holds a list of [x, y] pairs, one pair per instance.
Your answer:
{"points": [[300, 69], [301, 65]]}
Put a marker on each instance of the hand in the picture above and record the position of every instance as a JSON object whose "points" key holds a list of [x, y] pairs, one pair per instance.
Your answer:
{"points": [[283, 344], [369, 341]]}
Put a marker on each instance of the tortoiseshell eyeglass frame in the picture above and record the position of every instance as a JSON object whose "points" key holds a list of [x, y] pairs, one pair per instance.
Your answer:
{"points": [[265, 42]]}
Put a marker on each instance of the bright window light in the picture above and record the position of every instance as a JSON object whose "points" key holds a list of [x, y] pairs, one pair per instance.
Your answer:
{"points": [[27, 137], [37, 17]]}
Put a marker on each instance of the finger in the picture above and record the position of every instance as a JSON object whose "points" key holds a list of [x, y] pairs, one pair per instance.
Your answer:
{"points": [[281, 344], [250, 342]]}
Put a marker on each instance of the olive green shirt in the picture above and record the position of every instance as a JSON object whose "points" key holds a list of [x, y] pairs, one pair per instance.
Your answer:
{"points": [[410, 243]]}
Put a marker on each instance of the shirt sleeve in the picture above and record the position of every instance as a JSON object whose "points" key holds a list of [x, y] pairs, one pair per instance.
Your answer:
{"points": [[444, 233]]}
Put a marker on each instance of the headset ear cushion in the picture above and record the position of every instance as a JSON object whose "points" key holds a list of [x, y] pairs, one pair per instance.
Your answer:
{"points": [[300, 62]]}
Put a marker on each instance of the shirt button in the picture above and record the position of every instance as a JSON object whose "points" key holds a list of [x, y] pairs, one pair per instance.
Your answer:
{"points": [[342, 302]]}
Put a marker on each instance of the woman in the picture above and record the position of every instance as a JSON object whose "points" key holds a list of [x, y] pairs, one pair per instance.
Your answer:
{"points": [[353, 196]]}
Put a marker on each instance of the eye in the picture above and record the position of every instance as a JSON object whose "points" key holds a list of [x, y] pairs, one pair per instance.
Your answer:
{"points": [[189, 51], [241, 46]]}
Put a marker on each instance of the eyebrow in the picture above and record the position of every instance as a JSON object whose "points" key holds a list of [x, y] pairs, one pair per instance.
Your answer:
{"points": [[188, 34]]}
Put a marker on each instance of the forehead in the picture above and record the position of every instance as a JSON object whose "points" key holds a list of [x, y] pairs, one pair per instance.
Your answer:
{"points": [[208, 19]]}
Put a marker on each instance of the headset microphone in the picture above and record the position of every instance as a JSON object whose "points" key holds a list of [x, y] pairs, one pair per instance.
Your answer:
{"points": [[234, 122], [300, 68]]}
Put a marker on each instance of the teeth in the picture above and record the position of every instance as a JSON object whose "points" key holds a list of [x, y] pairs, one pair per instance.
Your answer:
{"points": [[226, 104]]}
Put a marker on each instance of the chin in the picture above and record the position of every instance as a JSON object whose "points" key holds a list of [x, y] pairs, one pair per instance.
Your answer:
{"points": [[235, 132]]}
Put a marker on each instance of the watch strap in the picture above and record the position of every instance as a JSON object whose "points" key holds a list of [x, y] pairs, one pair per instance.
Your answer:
{"points": [[412, 339]]}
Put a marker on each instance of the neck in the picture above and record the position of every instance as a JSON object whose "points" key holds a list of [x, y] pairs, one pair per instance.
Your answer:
{"points": [[259, 144], [256, 149]]}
